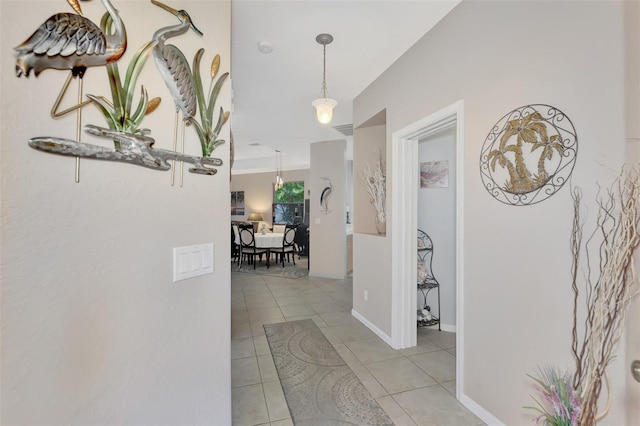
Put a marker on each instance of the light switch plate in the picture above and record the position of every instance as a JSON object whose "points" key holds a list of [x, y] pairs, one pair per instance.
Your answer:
{"points": [[192, 261]]}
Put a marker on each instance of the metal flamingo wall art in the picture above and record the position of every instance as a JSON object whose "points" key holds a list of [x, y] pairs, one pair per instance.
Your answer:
{"points": [[66, 41], [175, 71]]}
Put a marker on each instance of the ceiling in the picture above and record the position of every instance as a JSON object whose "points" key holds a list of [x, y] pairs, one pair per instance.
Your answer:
{"points": [[272, 93]]}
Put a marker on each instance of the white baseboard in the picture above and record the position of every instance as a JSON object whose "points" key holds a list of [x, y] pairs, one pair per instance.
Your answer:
{"points": [[479, 411], [372, 327], [448, 327], [335, 277]]}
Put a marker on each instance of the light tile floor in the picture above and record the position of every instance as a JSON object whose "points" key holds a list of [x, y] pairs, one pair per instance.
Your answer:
{"points": [[415, 386]]}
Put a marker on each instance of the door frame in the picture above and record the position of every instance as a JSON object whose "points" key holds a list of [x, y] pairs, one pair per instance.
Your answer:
{"points": [[404, 190]]}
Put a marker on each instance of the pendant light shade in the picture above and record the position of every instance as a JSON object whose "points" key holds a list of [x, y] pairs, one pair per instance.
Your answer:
{"points": [[324, 109], [324, 105]]}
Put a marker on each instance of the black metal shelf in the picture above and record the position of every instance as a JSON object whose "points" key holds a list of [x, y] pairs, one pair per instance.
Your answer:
{"points": [[429, 282]]}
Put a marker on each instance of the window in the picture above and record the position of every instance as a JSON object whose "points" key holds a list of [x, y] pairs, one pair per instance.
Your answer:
{"points": [[288, 202]]}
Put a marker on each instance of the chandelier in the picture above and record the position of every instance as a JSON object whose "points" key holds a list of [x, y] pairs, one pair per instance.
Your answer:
{"points": [[279, 182]]}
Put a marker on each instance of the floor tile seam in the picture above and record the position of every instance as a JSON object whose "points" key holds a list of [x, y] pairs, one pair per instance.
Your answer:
{"points": [[376, 379], [264, 395], [247, 384], [264, 319], [447, 390], [435, 350], [351, 340], [425, 352], [425, 372], [436, 382], [255, 356], [377, 361], [240, 322], [253, 287], [393, 395], [400, 406], [255, 350], [444, 348], [260, 369], [283, 418]]}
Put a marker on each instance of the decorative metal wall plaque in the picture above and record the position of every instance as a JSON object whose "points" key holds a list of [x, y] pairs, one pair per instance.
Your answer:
{"points": [[528, 155]]}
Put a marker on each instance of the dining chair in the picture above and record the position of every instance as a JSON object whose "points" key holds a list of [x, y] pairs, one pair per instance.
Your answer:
{"points": [[235, 244], [248, 245], [278, 229], [288, 245], [302, 240]]}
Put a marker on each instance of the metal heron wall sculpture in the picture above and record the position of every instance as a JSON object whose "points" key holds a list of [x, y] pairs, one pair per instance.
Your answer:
{"points": [[324, 196], [68, 41], [175, 71], [65, 41]]}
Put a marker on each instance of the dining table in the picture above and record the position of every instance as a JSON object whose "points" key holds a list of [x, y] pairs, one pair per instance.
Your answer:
{"points": [[269, 239]]}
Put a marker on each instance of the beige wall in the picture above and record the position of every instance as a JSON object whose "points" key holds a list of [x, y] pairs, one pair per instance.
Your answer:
{"points": [[498, 56], [369, 140], [94, 331], [327, 232], [371, 272], [632, 91], [258, 190]]}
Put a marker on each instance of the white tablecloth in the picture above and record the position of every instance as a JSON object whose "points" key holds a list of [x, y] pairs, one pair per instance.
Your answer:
{"points": [[269, 240]]}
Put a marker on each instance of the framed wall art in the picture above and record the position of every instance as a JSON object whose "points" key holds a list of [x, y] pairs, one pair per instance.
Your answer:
{"points": [[434, 174], [237, 203]]}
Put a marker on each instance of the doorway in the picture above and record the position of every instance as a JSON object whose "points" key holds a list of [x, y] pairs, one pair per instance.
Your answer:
{"points": [[404, 223], [437, 219]]}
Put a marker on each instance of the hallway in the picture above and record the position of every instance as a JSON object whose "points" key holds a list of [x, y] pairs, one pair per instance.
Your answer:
{"points": [[415, 386]]}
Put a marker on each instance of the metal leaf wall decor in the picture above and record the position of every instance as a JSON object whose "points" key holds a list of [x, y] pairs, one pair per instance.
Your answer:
{"points": [[528, 155]]}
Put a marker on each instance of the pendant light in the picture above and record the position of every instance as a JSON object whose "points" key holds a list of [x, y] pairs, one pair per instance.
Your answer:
{"points": [[324, 105], [279, 182]]}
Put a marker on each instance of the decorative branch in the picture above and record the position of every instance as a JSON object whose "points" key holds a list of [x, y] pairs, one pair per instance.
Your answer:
{"points": [[608, 295], [133, 149], [374, 180]]}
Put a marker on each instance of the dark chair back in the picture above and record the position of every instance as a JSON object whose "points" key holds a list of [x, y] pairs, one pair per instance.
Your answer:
{"points": [[248, 244], [302, 237], [235, 246], [247, 236], [289, 236]]}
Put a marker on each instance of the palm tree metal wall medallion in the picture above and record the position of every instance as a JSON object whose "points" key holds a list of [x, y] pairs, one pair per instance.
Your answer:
{"points": [[528, 155]]}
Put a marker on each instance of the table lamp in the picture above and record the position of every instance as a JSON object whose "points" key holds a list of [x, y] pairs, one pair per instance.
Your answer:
{"points": [[254, 218]]}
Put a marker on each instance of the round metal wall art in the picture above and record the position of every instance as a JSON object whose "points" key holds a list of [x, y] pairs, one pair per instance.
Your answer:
{"points": [[528, 155]]}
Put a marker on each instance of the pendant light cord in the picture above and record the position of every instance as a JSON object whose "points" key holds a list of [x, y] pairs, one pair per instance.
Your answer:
{"points": [[324, 72]]}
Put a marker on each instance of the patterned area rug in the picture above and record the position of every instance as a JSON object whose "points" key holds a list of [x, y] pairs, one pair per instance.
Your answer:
{"points": [[318, 385], [276, 270]]}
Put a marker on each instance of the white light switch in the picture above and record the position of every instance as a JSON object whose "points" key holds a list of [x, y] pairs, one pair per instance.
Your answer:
{"points": [[317, 221], [192, 261]]}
